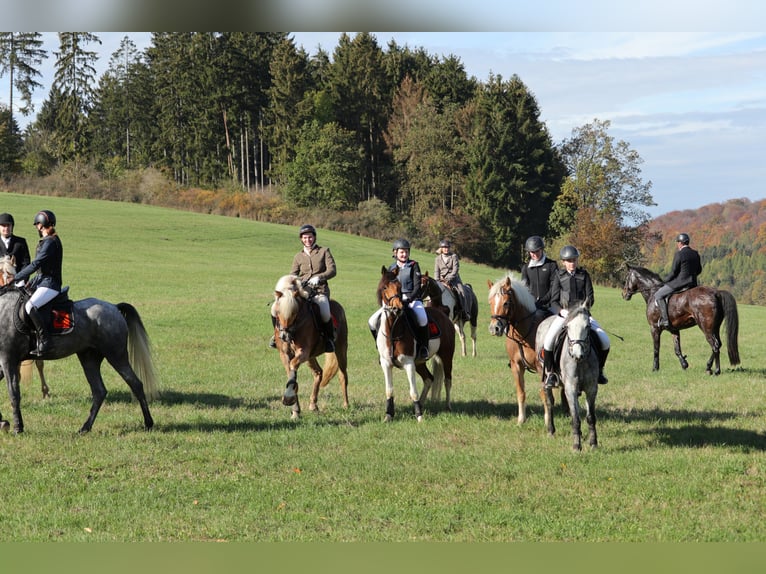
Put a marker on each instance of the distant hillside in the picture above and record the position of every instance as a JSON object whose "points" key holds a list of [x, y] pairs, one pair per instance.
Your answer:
{"points": [[731, 238]]}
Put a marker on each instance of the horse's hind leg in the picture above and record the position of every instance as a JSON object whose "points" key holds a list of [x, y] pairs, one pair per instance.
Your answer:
{"points": [[43, 385], [316, 371], [714, 340], [91, 366], [590, 417], [121, 364]]}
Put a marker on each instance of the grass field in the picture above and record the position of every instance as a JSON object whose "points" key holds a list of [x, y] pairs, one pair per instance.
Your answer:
{"points": [[681, 456]]}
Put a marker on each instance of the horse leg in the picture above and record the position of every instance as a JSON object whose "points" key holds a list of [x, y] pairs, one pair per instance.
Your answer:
{"points": [[656, 341], [389, 409], [714, 341], [590, 415], [91, 366], [473, 339], [679, 353], [409, 369], [43, 385], [290, 395], [121, 364], [546, 396], [461, 333], [316, 370], [388, 377], [521, 394], [14, 394], [574, 409], [428, 379]]}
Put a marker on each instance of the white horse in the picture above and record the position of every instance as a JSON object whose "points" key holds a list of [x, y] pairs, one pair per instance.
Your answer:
{"points": [[441, 295]]}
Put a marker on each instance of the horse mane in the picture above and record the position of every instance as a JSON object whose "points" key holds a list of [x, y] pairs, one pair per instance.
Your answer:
{"points": [[643, 271], [290, 288], [579, 312], [523, 294]]}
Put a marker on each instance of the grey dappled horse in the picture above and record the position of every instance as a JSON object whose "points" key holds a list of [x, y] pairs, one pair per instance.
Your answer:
{"points": [[578, 370], [100, 330]]}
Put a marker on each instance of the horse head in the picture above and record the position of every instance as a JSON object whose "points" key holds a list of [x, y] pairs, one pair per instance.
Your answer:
{"points": [[389, 289], [287, 294], [509, 301], [577, 327], [7, 269], [640, 280]]}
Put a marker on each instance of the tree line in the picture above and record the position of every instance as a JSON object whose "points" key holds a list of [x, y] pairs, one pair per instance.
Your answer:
{"points": [[394, 130]]}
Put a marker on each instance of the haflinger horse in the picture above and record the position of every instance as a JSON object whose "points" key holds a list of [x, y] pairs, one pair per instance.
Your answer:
{"points": [[513, 314], [299, 339], [578, 369], [92, 329], [7, 273], [396, 346], [703, 306], [440, 294]]}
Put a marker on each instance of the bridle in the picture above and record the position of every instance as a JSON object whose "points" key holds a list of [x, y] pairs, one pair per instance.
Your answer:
{"points": [[505, 320]]}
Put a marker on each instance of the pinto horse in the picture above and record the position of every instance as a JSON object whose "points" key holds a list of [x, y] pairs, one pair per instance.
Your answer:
{"points": [[705, 307], [396, 346], [578, 366], [513, 314], [300, 340], [7, 274], [441, 295]]}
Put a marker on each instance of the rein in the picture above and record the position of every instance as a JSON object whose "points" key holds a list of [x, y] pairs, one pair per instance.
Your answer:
{"points": [[514, 334]]}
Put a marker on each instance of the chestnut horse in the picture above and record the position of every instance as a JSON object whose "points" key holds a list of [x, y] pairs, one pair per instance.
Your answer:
{"points": [[705, 307], [396, 346], [300, 340], [439, 294], [513, 314]]}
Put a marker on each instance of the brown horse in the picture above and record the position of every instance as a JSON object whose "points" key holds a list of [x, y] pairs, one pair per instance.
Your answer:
{"points": [[299, 340], [513, 314], [439, 294], [702, 306], [396, 347], [7, 274]]}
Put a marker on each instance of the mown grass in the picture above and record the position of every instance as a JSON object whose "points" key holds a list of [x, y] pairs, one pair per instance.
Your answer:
{"points": [[681, 456]]}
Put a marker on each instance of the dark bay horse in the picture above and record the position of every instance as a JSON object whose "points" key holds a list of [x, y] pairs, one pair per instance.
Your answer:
{"points": [[440, 294], [578, 367], [396, 347], [702, 306], [299, 340], [98, 330], [513, 314]]}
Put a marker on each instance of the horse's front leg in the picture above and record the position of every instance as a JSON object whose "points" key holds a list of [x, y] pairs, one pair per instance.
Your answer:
{"points": [[590, 416], [388, 378], [461, 333], [521, 393], [408, 365], [14, 394], [574, 410], [546, 396], [656, 341], [679, 353]]}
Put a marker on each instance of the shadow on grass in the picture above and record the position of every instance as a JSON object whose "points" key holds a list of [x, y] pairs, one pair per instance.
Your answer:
{"points": [[698, 436]]}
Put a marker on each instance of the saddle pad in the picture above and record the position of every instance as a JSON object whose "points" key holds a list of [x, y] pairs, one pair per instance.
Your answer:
{"points": [[62, 318]]}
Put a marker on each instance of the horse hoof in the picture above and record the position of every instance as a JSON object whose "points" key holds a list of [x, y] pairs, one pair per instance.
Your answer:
{"points": [[419, 418], [388, 419], [290, 395], [313, 407], [295, 416], [5, 426]]}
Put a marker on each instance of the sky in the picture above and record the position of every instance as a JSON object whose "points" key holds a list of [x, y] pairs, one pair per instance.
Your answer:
{"points": [[692, 105]]}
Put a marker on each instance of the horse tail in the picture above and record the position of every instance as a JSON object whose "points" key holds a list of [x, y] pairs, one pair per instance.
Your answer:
{"points": [[731, 315], [140, 350], [329, 369], [25, 371]]}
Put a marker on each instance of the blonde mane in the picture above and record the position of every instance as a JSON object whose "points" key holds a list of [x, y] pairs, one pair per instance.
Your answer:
{"points": [[7, 268], [523, 294], [286, 293]]}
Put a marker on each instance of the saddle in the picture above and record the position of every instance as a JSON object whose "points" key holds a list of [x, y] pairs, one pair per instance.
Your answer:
{"points": [[558, 347], [58, 313], [434, 332]]}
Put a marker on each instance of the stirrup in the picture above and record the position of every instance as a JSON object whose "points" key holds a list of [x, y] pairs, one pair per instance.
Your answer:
{"points": [[551, 381]]}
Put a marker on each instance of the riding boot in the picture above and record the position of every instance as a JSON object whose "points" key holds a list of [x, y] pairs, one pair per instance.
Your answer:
{"points": [[273, 342], [551, 378], [602, 355], [329, 336], [422, 336], [43, 341], [664, 322]]}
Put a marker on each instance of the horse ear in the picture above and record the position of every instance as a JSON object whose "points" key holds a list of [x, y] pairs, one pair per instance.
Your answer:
{"points": [[490, 284], [425, 274], [277, 294], [383, 270]]}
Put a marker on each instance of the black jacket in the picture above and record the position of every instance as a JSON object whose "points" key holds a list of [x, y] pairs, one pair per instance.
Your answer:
{"points": [[18, 248], [686, 266], [540, 280], [568, 290]]}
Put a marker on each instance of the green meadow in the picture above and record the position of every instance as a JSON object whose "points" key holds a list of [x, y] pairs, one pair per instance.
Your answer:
{"points": [[681, 457]]}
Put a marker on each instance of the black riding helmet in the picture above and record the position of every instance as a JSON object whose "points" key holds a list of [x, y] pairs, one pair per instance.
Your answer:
{"points": [[45, 218], [569, 252], [307, 229], [683, 238], [400, 244], [534, 243], [6, 219]]}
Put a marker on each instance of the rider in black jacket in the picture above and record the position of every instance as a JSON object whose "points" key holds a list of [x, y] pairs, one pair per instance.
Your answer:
{"points": [[687, 265]]}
